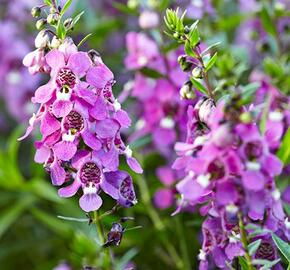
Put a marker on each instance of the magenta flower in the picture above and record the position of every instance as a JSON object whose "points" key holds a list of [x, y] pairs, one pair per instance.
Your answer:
{"points": [[80, 123]]}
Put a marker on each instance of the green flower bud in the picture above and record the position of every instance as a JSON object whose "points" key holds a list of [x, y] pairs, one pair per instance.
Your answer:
{"points": [[197, 73], [53, 19], [55, 43], [186, 29], [132, 4], [246, 117], [176, 35], [40, 24], [68, 24], [35, 12], [186, 91]]}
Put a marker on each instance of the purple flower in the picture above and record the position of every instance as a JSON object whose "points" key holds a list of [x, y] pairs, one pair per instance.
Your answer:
{"points": [[80, 123]]}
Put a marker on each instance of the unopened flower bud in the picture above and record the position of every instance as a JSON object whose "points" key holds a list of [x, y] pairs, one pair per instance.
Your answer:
{"points": [[176, 35], [94, 56], [55, 43], [197, 73], [35, 12], [246, 117], [184, 64], [205, 110], [53, 18], [42, 39], [68, 24], [186, 29], [148, 19], [40, 24], [52, 10], [132, 4], [263, 46], [186, 91]]}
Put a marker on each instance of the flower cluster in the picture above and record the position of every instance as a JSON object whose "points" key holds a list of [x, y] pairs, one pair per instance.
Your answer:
{"points": [[161, 113], [252, 33], [230, 170], [16, 84], [80, 123]]}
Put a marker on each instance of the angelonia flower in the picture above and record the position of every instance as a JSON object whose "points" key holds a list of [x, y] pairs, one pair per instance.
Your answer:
{"points": [[80, 122], [251, 34], [16, 84], [160, 111], [230, 170]]}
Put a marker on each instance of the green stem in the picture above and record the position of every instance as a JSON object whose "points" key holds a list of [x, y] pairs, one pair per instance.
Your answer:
{"points": [[245, 242], [101, 235], [204, 73], [183, 245], [156, 220]]}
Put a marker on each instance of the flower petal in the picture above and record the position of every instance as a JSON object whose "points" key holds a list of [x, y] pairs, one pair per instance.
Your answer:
{"points": [[90, 202], [57, 173], [79, 63], [55, 59], [123, 118], [65, 150], [99, 76], [107, 128], [43, 93], [61, 108], [253, 180], [91, 140], [134, 165], [99, 111], [49, 124], [70, 190]]}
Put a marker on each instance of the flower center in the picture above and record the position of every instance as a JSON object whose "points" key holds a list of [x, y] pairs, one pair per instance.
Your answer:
{"points": [[74, 122], [64, 93], [254, 149], [90, 173], [216, 169], [127, 191], [265, 251], [66, 77]]}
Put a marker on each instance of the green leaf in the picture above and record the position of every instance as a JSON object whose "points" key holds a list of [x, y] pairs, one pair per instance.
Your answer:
{"points": [[84, 40], [124, 8], [243, 263], [141, 142], [194, 37], [198, 85], [265, 113], [51, 222], [265, 263], [65, 7], [86, 220], [210, 47], [267, 22], [11, 214], [282, 246], [48, 2], [60, 30], [43, 190], [248, 91], [188, 49], [151, 73], [126, 259], [78, 17], [284, 150], [211, 62], [273, 68], [287, 208], [252, 247]]}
